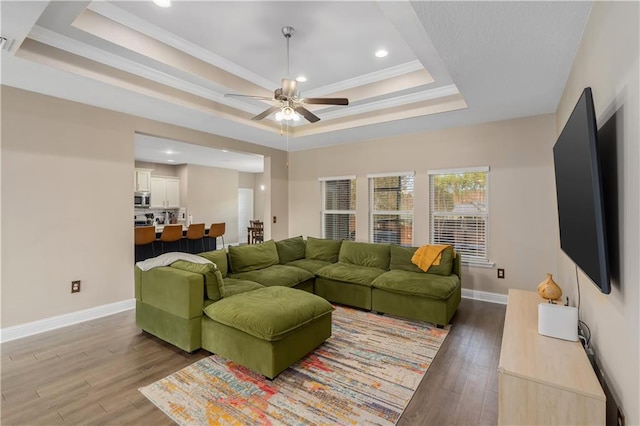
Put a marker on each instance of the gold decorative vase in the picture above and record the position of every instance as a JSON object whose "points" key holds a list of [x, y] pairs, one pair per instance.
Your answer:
{"points": [[548, 289]]}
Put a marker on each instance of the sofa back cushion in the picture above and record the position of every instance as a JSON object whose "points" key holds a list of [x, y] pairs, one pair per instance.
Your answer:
{"points": [[212, 277], [365, 254], [253, 257], [291, 249], [321, 249], [219, 257], [401, 260]]}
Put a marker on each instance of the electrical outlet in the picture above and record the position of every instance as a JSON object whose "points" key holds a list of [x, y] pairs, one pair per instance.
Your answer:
{"points": [[500, 272], [275, 219], [75, 286]]}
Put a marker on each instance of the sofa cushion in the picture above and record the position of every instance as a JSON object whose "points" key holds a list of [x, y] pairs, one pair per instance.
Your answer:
{"points": [[418, 284], [233, 286], [219, 257], [353, 274], [253, 257], [269, 313], [291, 249], [365, 254], [198, 268], [401, 260], [321, 249], [311, 265], [276, 275], [212, 276]]}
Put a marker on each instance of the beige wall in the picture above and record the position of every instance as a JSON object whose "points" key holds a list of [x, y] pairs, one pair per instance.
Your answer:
{"points": [[158, 169], [246, 180], [66, 201], [66, 207], [213, 197], [523, 225], [607, 61]]}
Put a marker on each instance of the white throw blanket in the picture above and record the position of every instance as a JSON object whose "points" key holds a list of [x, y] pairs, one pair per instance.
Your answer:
{"points": [[167, 259]]}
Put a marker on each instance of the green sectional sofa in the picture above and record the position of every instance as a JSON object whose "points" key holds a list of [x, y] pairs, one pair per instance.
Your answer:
{"points": [[180, 303]]}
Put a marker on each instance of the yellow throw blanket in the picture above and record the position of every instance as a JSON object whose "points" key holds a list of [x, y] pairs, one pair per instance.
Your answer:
{"points": [[428, 255]]}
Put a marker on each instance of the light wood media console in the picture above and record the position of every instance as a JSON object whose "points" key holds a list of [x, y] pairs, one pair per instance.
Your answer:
{"points": [[543, 380]]}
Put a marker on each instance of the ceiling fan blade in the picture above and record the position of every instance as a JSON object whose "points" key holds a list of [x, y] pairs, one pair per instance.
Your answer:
{"points": [[267, 112], [326, 101], [311, 117], [235, 95], [289, 87]]}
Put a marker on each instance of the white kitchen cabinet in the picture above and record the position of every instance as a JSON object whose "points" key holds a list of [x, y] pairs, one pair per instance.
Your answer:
{"points": [[165, 193], [142, 180]]}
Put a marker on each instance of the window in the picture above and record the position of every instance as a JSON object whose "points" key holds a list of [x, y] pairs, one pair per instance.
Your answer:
{"points": [[339, 208], [459, 211], [391, 208]]}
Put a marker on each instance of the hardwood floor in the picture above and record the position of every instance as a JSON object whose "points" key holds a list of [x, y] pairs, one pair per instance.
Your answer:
{"points": [[90, 373]]}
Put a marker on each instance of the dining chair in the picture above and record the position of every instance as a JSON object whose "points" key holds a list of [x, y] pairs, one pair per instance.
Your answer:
{"points": [[257, 231]]}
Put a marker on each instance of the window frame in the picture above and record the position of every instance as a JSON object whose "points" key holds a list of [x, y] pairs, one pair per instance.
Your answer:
{"points": [[399, 213], [324, 211], [466, 259]]}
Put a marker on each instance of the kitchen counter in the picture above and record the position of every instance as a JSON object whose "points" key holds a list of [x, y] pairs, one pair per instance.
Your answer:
{"points": [[159, 228], [155, 248]]}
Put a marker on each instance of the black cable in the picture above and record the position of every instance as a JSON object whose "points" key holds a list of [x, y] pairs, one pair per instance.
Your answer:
{"points": [[579, 320], [588, 331], [578, 285]]}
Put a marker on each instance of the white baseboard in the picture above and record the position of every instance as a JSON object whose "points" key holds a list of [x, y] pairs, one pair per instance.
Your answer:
{"points": [[23, 330], [485, 296]]}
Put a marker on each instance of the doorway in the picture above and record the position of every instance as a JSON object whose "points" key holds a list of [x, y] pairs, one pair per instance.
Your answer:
{"points": [[245, 212]]}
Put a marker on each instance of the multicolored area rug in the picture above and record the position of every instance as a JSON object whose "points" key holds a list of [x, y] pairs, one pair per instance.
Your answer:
{"points": [[366, 373]]}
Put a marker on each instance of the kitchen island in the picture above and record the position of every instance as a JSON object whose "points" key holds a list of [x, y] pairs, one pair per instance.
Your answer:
{"points": [[155, 248]]}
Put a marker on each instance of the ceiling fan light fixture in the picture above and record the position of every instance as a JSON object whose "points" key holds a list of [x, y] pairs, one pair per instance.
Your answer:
{"points": [[287, 113]]}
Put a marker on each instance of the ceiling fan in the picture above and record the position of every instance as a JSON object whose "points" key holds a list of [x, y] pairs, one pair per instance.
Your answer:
{"points": [[288, 102]]}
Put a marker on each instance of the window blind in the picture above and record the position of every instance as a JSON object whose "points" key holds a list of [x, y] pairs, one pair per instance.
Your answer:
{"points": [[339, 208], [459, 211], [391, 208]]}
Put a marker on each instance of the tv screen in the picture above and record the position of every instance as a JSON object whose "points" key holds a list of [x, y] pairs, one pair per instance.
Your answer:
{"points": [[579, 190]]}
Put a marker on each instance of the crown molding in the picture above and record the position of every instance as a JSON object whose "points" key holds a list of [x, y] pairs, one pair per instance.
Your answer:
{"points": [[365, 79], [93, 53], [114, 13], [425, 95]]}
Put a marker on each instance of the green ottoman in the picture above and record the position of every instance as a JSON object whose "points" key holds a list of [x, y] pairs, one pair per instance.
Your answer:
{"points": [[268, 329]]}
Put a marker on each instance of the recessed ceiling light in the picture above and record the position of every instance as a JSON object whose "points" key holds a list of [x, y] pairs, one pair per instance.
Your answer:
{"points": [[225, 150], [162, 3], [301, 79], [171, 161], [169, 152], [381, 53]]}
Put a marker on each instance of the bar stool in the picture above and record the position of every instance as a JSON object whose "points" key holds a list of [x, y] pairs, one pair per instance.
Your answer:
{"points": [[195, 232], [145, 236], [217, 230], [171, 234]]}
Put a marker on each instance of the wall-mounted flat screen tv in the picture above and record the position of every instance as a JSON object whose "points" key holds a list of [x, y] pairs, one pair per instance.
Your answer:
{"points": [[579, 188]]}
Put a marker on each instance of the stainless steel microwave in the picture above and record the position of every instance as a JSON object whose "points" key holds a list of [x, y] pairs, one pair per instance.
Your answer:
{"points": [[141, 199]]}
